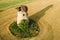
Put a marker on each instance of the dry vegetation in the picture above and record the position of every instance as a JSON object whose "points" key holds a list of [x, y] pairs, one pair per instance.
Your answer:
{"points": [[48, 20]]}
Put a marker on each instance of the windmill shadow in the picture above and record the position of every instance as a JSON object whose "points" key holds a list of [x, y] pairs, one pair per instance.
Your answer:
{"points": [[39, 14]]}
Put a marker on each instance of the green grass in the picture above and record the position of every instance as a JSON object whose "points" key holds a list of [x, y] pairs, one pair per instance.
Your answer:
{"points": [[4, 4], [23, 25], [24, 30]]}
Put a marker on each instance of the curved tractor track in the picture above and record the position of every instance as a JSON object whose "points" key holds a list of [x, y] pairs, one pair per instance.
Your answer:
{"points": [[45, 13]]}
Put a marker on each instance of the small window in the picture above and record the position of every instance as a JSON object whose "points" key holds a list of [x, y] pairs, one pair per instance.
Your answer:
{"points": [[23, 14]]}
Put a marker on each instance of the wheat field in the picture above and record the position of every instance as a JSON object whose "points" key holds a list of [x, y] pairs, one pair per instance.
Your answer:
{"points": [[45, 12]]}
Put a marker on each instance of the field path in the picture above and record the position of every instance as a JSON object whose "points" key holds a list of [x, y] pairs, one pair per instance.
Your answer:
{"points": [[46, 13]]}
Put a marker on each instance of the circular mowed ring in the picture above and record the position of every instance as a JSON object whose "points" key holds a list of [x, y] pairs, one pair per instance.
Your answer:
{"points": [[33, 30]]}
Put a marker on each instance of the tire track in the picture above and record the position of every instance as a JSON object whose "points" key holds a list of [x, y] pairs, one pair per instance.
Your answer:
{"points": [[6, 13], [7, 19], [2, 27], [9, 15]]}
